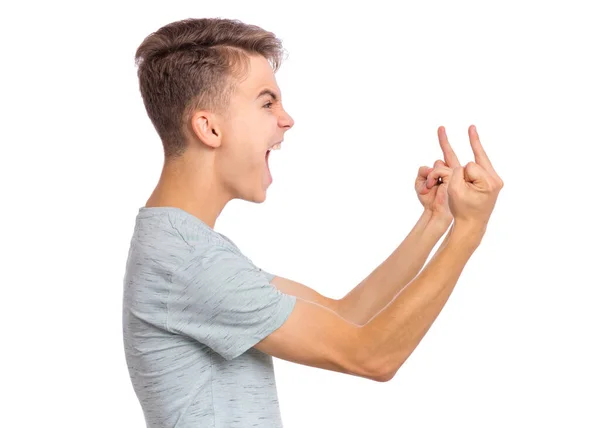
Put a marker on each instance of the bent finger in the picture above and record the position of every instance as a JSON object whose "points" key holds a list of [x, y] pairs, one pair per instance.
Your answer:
{"points": [[442, 174], [476, 174], [439, 163], [424, 171]]}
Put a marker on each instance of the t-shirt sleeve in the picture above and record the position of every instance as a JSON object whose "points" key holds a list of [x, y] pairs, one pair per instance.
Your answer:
{"points": [[269, 275], [224, 301]]}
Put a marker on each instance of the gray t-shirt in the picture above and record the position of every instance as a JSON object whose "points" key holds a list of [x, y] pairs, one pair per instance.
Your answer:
{"points": [[193, 308]]}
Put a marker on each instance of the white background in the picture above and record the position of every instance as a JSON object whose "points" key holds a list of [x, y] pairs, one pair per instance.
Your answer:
{"points": [[368, 85]]}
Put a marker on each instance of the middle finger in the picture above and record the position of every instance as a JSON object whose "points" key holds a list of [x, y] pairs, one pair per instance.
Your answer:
{"points": [[449, 155]]}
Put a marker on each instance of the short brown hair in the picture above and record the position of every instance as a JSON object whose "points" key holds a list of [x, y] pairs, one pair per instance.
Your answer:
{"points": [[195, 64]]}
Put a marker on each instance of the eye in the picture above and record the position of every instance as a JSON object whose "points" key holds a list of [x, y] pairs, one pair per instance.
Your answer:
{"points": [[269, 104]]}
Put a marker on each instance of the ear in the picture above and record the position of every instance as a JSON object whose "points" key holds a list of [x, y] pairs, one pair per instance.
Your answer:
{"points": [[206, 128]]}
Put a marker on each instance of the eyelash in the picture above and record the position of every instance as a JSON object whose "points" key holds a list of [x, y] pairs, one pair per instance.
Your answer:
{"points": [[268, 104]]}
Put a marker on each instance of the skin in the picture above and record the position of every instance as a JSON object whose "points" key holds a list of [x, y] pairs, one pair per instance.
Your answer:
{"points": [[382, 285], [433, 194], [225, 157], [225, 160]]}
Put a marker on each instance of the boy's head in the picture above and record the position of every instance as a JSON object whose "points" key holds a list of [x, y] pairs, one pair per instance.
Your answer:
{"points": [[200, 80]]}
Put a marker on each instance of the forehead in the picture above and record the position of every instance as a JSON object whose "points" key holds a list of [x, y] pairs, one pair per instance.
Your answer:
{"points": [[260, 76]]}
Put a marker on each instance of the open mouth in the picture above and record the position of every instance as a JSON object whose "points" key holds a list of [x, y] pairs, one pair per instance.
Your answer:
{"points": [[274, 147], [267, 161]]}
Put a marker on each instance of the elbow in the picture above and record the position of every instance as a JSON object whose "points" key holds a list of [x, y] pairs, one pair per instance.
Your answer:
{"points": [[376, 370], [383, 379], [368, 372], [384, 375], [384, 370], [367, 362]]}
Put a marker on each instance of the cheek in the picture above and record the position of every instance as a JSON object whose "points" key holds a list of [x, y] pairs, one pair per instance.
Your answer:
{"points": [[249, 141], [251, 155]]}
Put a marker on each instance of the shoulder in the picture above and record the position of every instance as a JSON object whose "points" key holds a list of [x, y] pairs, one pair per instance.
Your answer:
{"points": [[213, 260]]}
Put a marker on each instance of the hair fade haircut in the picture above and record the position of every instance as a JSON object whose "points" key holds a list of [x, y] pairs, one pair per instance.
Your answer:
{"points": [[196, 64]]}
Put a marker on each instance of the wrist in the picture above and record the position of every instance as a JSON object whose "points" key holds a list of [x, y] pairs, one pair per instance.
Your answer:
{"points": [[468, 233], [438, 220]]}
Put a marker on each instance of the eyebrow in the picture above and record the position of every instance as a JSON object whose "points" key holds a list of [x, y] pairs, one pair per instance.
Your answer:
{"points": [[268, 92]]}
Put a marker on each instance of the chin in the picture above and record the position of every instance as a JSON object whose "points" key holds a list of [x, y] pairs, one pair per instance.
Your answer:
{"points": [[262, 198], [259, 196]]}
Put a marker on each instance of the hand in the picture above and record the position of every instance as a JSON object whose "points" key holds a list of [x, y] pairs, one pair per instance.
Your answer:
{"points": [[472, 190], [432, 190], [432, 183]]}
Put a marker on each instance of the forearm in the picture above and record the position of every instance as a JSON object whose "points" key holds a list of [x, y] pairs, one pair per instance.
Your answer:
{"points": [[444, 242], [392, 335], [385, 282]]}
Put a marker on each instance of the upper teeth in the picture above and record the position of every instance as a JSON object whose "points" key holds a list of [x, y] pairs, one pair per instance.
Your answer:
{"points": [[276, 147]]}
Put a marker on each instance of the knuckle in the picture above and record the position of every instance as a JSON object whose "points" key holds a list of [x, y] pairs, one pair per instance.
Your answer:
{"points": [[499, 183]]}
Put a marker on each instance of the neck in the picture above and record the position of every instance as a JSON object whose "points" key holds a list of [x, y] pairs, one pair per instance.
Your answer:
{"points": [[192, 187]]}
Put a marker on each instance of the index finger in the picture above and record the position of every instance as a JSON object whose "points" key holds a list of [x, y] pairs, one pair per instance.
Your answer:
{"points": [[449, 156], [481, 157]]}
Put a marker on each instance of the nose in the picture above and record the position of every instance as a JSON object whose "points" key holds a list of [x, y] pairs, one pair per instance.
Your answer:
{"points": [[286, 121]]}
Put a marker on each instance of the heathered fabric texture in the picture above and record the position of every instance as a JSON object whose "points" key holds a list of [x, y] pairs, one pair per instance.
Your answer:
{"points": [[193, 308]]}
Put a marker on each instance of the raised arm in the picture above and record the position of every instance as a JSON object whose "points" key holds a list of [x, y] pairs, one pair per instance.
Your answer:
{"points": [[393, 334], [317, 336]]}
